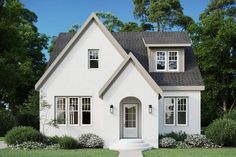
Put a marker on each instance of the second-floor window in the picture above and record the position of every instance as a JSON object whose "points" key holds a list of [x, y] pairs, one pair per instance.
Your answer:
{"points": [[166, 60], [93, 58]]}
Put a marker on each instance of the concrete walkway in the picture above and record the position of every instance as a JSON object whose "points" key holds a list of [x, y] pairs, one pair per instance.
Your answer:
{"points": [[3, 145], [130, 153]]}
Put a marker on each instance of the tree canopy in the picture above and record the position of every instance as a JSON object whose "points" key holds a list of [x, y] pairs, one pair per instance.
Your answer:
{"points": [[21, 59], [215, 47], [165, 14]]}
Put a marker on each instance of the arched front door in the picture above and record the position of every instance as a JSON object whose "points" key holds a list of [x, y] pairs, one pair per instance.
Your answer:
{"points": [[130, 118]]}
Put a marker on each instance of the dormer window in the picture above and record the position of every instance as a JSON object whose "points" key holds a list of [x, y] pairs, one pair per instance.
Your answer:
{"points": [[173, 59], [167, 61], [93, 59], [161, 60]]}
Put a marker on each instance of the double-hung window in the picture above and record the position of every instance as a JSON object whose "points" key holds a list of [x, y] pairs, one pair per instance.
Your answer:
{"points": [[167, 60], [61, 110], [86, 111], [172, 60], [169, 111], [175, 111], [161, 61], [73, 111], [93, 58]]}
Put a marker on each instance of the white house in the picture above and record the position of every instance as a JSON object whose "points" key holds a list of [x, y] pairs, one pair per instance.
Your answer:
{"points": [[126, 87]]}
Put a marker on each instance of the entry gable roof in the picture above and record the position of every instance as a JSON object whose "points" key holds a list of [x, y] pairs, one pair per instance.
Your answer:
{"points": [[61, 54], [119, 70]]}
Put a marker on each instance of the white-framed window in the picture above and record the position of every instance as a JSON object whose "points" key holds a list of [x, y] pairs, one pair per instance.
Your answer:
{"points": [[161, 60], [86, 111], [93, 57], [61, 110], [175, 111], [182, 111], [167, 60], [70, 109], [173, 60], [170, 111], [73, 110]]}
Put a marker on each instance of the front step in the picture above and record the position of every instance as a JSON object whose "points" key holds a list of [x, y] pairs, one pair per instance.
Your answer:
{"points": [[131, 144]]}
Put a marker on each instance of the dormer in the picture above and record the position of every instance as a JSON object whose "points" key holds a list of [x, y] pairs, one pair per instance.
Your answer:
{"points": [[166, 51]]}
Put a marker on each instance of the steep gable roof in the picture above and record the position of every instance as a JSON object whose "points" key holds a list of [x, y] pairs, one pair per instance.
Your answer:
{"points": [[133, 42], [166, 39], [58, 56], [139, 67]]}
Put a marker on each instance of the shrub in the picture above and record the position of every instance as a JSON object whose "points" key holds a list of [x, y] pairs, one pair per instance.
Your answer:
{"points": [[90, 141], [67, 142], [53, 140], [33, 145], [182, 145], [7, 121], [28, 145], [231, 115], [222, 132], [22, 134], [167, 142], [196, 140], [178, 136], [199, 141]]}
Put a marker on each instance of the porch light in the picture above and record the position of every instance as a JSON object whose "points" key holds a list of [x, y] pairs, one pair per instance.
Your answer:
{"points": [[111, 108], [150, 108]]}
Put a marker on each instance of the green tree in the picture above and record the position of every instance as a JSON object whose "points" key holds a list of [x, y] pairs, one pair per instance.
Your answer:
{"points": [[21, 59], [134, 27], [165, 14], [28, 112], [112, 23], [214, 43], [75, 28]]}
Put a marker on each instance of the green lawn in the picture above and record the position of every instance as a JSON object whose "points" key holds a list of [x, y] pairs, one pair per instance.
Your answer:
{"points": [[1, 138], [220, 152], [59, 153]]}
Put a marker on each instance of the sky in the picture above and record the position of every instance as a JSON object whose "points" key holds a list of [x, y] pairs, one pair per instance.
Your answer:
{"points": [[55, 16]]}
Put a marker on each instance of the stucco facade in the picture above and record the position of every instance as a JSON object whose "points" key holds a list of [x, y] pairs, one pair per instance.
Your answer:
{"points": [[123, 82]]}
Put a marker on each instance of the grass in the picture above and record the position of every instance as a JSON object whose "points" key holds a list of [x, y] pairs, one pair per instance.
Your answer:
{"points": [[1, 138], [220, 152], [58, 153]]}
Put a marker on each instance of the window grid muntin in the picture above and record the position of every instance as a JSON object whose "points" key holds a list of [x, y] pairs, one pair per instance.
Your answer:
{"points": [[161, 59], [85, 109], [185, 100], [93, 57], [172, 59], [181, 108], [169, 111], [67, 107], [130, 117], [167, 59], [61, 109], [73, 105]]}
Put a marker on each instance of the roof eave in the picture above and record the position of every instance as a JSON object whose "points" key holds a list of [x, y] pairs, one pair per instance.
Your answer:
{"points": [[183, 88], [168, 45]]}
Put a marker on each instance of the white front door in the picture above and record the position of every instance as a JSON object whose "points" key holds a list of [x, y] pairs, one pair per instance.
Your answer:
{"points": [[130, 124]]}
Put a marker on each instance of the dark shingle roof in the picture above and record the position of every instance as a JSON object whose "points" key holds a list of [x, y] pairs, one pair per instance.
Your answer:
{"points": [[166, 38], [133, 42], [60, 43]]}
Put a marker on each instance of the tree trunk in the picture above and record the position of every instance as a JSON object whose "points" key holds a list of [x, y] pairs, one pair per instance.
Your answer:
{"points": [[158, 27], [224, 104]]}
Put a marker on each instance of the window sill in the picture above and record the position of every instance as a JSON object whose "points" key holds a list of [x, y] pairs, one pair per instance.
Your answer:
{"points": [[86, 125]]}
